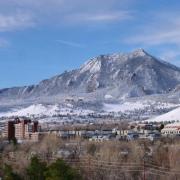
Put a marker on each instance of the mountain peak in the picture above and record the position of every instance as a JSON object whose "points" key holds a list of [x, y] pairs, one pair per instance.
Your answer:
{"points": [[139, 52], [122, 74]]}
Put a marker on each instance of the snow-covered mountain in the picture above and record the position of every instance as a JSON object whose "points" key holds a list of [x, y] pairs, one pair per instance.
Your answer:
{"points": [[123, 83], [117, 75]]}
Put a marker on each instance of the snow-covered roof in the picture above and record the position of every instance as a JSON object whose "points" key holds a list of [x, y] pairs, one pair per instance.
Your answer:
{"points": [[173, 125]]}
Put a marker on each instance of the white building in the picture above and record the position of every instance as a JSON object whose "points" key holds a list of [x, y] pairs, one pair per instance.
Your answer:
{"points": [[171, 130]]}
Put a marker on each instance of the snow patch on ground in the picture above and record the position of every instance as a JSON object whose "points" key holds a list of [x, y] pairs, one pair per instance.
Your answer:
{"points": [[108, 96], [127, 106], [35, 109], [173, 115], [45, 110], [138, 105]]}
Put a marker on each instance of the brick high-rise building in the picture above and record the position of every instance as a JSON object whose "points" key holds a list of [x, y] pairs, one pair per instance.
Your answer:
{"points": [[22, 130], [10, 128]]}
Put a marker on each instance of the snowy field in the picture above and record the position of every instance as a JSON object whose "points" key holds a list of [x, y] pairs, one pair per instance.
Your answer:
{"points": [[39, 110], [173, 115], [131, 110], [138, 105]]}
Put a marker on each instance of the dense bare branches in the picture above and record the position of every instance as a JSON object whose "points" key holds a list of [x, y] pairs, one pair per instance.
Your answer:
{"points": [[102, 160]]}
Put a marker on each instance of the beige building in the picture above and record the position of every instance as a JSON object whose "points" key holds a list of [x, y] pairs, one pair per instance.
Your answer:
{"points": [[19, 131], [22, 130], [171, 130], [34, 137]]}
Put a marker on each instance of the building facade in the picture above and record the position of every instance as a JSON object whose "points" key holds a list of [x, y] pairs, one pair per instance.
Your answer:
{"points": [[171, 130], [22, 130]]}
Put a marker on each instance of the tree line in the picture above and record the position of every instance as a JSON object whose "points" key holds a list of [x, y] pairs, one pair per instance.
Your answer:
{"points": [[38, 170]]}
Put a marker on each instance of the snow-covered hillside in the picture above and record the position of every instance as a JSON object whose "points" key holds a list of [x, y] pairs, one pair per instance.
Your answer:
{"points": [[137, 105], [39, 110], [128, 108], [131, 85], [36, 109], [173, 115]]}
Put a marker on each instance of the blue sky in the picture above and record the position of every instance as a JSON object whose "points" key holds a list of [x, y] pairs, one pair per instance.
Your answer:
{"points": [[39, 39]]}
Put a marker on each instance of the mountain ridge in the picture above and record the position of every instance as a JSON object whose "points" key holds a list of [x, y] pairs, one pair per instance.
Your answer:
{"points": [[120, 74]]}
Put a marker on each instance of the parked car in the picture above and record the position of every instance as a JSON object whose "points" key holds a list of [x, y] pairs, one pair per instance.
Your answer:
{"points": [[154, 136], [132, 136]]}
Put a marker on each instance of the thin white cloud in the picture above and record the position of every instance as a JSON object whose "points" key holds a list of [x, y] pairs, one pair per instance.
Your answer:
{"points": [[170, 54], [15, 22], [62, 12], [102, 17], [162, 36], [164, 30], [161, 31], [70, 43], [61, 5]]}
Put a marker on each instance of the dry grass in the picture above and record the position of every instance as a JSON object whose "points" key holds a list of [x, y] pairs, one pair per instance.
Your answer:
{"points": [[106, 160]]}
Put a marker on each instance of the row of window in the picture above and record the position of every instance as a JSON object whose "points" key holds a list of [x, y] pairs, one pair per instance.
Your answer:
{"points": [[171, 132]]}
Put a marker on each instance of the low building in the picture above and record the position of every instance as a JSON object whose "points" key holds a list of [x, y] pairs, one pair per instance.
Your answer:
{"points": [[154, 136], [100, 138], [132, 136], [171, 130], [34, 137]]}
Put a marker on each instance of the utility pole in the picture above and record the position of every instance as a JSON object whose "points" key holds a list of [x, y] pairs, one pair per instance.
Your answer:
{"points": [[89, 164], [144, 166], [144, 170]]}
